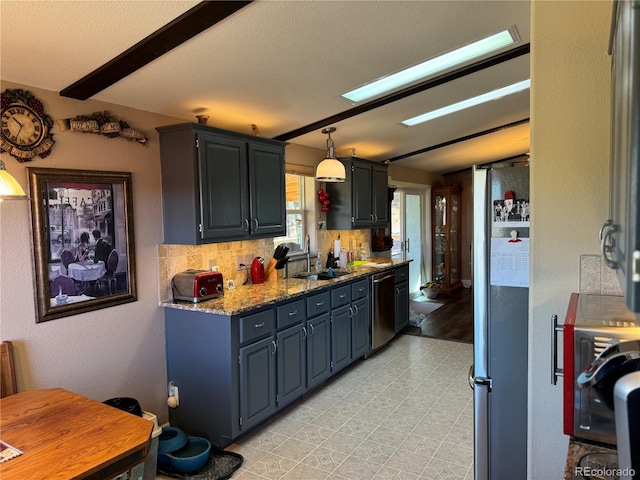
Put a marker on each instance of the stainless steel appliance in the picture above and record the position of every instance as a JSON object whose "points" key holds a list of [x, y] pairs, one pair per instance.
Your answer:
{"points": [[620, 234], [383, 309], [627, 406], [592, 324], [501, 303], [197, 285]]}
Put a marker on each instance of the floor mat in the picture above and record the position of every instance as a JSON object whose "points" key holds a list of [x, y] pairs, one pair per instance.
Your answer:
{"points": [[220, 466], [425, 307]]}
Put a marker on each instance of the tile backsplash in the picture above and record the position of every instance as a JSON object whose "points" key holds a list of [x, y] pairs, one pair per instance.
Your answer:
{"points": [[596, 278], [173, 259]]}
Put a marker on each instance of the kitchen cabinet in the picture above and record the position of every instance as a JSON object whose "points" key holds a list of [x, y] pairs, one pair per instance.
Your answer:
{"points": [[361, 201], [361, 319], [236, 371], [341, 314], [402, 298], [446, 237], [220, 186], [318, 338]]}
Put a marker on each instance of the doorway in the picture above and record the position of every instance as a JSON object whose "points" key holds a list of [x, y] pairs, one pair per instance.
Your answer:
{"points": [[410, 230]]}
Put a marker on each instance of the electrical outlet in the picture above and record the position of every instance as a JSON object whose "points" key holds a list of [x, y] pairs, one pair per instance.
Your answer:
{"points": [[244, 260]]}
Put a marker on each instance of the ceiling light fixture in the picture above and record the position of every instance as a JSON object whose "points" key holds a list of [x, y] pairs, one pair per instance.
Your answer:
{"points": [[435, 65], [10, 189], [330, 169], [471, 102]]}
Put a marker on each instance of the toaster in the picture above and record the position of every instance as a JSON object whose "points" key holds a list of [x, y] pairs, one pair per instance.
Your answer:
{"points": [[197, 285]]}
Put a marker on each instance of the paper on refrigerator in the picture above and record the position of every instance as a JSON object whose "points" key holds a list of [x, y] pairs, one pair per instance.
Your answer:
{"points": [[510, 262]]}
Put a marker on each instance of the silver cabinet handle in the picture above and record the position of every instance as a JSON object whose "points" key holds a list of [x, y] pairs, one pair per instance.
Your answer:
{"points": [[319, 304], [608, 244], [246, 225], [295, 312], [397, 292], [350, 312], [259, 325], [470, 378], [275, 347], [304, 332], [343, 296], [555, 371], [362, 289], [255, 224], [313, 330], [355, 308]]}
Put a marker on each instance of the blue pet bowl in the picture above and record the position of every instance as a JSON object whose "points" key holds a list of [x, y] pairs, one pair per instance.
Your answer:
{"points": [[192, 456]]}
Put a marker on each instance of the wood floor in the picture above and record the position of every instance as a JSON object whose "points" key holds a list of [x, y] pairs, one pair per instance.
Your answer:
{"points": [[452, 321]]}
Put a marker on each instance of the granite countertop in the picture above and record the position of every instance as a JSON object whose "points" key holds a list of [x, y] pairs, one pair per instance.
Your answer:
{"points": [[248, 297], [578, 449]]}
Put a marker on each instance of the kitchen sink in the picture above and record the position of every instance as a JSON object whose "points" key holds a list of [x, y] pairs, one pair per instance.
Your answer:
{"points": [[323, 275]]}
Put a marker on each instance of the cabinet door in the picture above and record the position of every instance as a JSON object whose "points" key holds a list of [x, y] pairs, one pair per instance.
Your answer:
{"points": [[361, 194], [380, 197], [341, 337], [360, 327], [291, 357], [257, 382], [402, 306], [224, 190], [267, 175], [318, 350]]}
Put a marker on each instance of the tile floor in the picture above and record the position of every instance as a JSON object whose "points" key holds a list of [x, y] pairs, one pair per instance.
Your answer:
{"points": [[406, 413]]}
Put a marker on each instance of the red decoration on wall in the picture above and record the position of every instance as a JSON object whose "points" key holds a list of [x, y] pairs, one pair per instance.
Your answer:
{"points": [[323, 198]]}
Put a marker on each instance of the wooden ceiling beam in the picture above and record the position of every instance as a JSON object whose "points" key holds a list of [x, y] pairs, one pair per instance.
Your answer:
{"points": [[176, 32]]}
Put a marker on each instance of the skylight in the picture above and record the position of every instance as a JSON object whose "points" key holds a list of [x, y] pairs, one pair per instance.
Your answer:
{"points": [[470, 102], [435, 65]]}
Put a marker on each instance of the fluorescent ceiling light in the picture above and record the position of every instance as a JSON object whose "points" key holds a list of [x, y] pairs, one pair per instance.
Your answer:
{"points": [[434, 65], [471, 102]]}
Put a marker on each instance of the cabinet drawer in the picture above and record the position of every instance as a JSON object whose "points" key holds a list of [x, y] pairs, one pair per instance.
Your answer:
{"points": [[340, 296], [402, 274], [257, 325], [360, 289], [291, 313], [317, 304]]}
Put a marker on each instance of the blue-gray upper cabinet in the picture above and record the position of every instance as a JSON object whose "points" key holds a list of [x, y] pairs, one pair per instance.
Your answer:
{"points": [[220, 186], [361, 201]]}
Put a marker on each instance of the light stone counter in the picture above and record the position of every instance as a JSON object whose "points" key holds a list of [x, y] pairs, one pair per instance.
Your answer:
{"points": [[248, 297]]}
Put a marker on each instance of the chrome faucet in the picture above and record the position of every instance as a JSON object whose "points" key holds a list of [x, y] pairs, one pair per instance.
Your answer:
{"points": [[307, 250]]}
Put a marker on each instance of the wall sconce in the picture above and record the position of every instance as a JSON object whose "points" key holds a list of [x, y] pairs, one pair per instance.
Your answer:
{"points": [[330, 169], [10, 189]]}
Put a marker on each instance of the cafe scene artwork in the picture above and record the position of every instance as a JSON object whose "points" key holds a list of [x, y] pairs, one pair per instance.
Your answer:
{"points": [[85, 239]]}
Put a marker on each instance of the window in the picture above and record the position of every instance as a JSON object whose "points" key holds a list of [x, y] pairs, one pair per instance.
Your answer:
{"points": [[295, 205]]}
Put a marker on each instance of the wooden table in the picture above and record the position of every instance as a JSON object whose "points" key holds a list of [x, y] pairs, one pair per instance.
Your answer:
{"points": [[65, 436]]}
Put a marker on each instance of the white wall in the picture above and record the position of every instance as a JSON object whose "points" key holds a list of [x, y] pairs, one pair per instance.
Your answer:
{"points": [[117, 351], [569, 191]]}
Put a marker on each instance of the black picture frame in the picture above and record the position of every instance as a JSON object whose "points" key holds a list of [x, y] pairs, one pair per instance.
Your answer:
{"points": [[83, 240]]}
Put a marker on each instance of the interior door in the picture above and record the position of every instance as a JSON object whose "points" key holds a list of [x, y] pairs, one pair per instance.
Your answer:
{"points": [[408, 230]]}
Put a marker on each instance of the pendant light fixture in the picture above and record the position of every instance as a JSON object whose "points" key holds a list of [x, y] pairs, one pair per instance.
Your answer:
{"points": [[330, 169], [10, 189]]}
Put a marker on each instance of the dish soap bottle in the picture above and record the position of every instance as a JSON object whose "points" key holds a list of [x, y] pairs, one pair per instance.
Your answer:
{"points": [[318, 263]]}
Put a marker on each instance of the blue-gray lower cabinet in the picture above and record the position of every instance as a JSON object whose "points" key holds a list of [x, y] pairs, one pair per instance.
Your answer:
{"points": [[360, 323], [341, 337], [291, 359], [318, 350], [257, 382]]}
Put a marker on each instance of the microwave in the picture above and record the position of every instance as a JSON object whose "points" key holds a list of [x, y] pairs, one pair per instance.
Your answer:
{"points": [[592, 323]]}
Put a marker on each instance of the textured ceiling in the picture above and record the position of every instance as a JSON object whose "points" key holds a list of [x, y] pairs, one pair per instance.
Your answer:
{"points": [[282, 65]]}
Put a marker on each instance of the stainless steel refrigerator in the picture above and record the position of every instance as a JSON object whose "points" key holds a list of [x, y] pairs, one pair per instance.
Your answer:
{"points": [[498, 376]]}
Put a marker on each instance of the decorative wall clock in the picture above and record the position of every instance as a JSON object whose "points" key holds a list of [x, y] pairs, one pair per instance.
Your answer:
{"points": [[26, 128]]}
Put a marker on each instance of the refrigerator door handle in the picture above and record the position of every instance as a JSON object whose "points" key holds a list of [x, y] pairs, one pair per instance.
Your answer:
{"points": [[481, 381]]}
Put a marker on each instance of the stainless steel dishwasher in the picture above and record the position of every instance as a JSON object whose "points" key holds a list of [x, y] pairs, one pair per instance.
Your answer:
{"points": [[383, 309]]}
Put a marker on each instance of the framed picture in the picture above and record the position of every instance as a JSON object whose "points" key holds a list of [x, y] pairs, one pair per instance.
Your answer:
{"points": [[83, 240]]}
